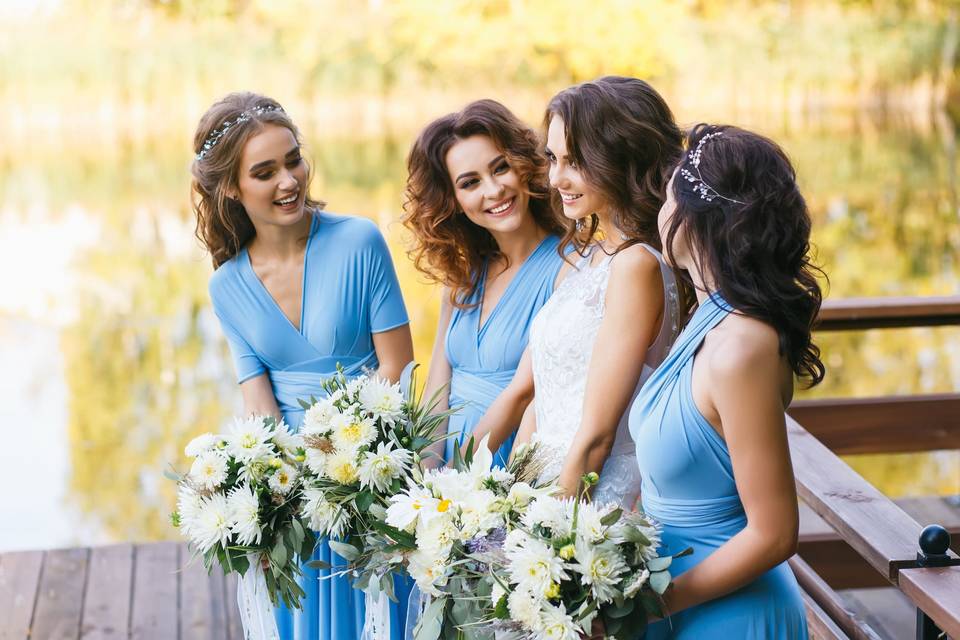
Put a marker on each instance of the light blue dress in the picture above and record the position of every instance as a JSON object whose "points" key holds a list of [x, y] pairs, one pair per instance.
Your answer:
{"points": [[484, 358], [688, 485], [350, 291]]}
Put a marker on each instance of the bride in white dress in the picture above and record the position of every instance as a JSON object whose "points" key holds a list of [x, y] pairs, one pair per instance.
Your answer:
{"points": [[612, 319]]}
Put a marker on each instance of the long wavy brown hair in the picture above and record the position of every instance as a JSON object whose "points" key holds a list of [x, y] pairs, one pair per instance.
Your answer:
{"points": [[448, 248], [625, 141], [223, 225]]}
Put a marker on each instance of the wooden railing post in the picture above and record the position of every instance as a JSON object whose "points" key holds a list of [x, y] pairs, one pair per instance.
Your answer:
{"points": [[934, 544]]}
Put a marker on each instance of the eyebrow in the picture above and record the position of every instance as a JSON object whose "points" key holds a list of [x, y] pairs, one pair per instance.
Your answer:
{"points": [[267, 163], [490, 164]]}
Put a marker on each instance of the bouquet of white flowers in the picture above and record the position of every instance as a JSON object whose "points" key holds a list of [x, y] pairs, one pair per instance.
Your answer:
{"points": [[238, 504], [569, 561], [446, 526], [363, 443]]}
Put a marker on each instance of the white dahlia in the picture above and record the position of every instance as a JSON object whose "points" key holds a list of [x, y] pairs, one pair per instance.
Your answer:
{"points": [[318, 419], [244, 508], [524, 607], [208, 470], [324, 517], [556, 624], [283, 479], [550, 512], [212, 524], [201, 443], [382, 399], [188, 508], [350, 432], [428, 571], [286, 441], [601, 567], [341, 467], [534, 567], [406, 508], [249, 440], [378, 469]]}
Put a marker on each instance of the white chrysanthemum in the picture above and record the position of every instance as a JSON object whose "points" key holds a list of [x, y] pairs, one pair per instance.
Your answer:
{"points": [[324, 517], [212, 524], [589, 525], [601, 567], [244, 514], [378, 469], [556, 624], [318, 419], [351, 432], [208, 470], [188, 508], [283, 479], [406, 508], [428, 571], [316, 461], [633, 520], [341, 467], [450, 484], [478, 513], [534, 567], [437, 535], [636, 583], [249, 440], [547, 511], [353, 387], [201, 443], [286, 441], [382, 399], [500, 475], [524, 608]]}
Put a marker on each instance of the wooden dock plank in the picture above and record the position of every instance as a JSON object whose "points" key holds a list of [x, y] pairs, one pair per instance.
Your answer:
{"points": [[202, 612], [60, 596], [19, 579], [234, 627], [155, 610], [106, 609]]}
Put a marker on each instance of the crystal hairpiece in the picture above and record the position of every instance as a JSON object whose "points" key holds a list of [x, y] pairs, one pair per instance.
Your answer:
{"points": [[222, 130], [705, 191]]}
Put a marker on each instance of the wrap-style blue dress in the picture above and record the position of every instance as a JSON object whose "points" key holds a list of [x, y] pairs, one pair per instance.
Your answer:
{"points": [[484, 358], [688, 486], [350, 291]]}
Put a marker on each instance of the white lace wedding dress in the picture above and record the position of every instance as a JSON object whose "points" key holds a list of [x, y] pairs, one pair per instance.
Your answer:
{"points": [[561, 343]]}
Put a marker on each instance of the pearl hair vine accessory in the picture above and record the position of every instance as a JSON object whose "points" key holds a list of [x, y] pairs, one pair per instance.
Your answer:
{"points": [[700, 187], [222, 130]]}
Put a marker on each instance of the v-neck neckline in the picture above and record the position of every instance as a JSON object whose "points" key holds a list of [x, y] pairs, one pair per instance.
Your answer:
{"points": [[481, 326], [303, 279]]}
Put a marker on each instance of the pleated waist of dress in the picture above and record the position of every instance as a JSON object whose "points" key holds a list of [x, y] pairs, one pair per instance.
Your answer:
{"points": [[676, 512], [291, 386], [478, 388]]}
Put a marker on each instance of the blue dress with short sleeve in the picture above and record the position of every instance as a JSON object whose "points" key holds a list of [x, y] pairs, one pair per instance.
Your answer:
{"points": [[484, 358], [687, 484], [350, 291]]}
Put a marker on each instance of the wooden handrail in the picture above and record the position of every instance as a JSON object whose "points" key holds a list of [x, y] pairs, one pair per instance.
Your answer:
{"points": [[880, 531], [897, 424], [846, 314], [828, 600]]}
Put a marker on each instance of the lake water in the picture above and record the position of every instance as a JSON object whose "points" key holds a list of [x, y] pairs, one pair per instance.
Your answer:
{"points": [[112, 357]]}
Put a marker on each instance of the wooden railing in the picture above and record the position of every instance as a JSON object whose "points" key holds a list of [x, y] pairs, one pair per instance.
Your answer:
{"points": [[882, 535]]}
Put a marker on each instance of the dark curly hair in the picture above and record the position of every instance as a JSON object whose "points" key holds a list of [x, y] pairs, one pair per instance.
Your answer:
{"points": [[223, 225], [624, 139], [758, 249], [449, 248]]}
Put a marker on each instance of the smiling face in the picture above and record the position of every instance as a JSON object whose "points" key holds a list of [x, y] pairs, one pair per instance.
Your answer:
{"points": [[579, 198], [272, 177], [487, 188]]}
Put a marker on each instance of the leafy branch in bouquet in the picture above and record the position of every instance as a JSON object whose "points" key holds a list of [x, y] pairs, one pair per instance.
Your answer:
{"points": [[239, 503]]}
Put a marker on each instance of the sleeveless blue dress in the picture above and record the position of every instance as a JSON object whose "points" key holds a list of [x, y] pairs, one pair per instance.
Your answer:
{"points": [[688, 486], [350, 291], [484, 359]]}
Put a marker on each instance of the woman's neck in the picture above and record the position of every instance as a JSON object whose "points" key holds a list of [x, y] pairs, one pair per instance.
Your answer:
{"points": [[275, 242], [613, 236], [703, 283], [516, 245]]}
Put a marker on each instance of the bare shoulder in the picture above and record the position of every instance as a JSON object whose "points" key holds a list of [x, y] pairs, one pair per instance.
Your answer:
{"points": [[635, 261], [742, 347]]}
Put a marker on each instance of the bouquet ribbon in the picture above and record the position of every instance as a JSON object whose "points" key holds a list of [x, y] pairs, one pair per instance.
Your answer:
{"points": [[256, 610]]}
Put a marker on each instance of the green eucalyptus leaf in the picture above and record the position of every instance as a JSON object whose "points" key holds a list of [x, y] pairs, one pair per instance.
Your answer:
{"points": [[611, 517], [619, 611], [659, 581], [431, 622], [501, 611], [659, 564], [347, 551]]}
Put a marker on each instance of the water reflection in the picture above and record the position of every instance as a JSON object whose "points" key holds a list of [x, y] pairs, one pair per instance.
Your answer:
{"points": [[100, 257]]}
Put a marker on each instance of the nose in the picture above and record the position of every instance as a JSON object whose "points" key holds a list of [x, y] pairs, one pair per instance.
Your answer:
{"points": [[557, 176], [288, 181], [493, 189]]}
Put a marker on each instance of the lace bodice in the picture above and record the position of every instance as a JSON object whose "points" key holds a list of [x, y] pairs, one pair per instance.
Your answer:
{"points": [[562, 336]]}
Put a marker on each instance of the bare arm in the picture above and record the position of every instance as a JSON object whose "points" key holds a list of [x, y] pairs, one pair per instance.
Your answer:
{"points": [[743, 386], [258, 397], [505, 413], [634, 307], [528, 425], [394, 351], [438, 377]]}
